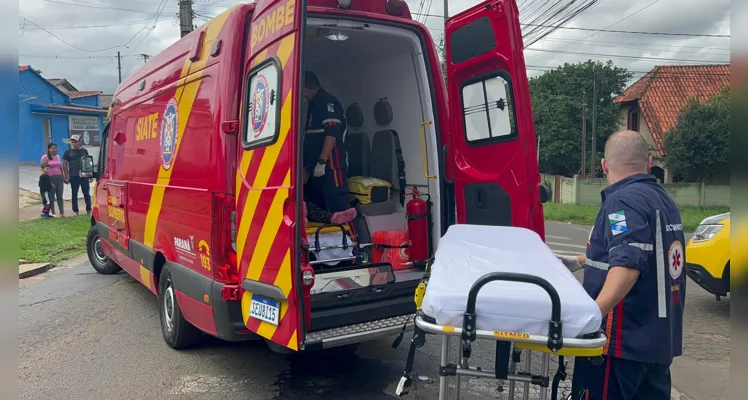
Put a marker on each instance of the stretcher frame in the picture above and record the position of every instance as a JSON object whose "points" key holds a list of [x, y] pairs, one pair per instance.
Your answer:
{"points": [[505, 365]]}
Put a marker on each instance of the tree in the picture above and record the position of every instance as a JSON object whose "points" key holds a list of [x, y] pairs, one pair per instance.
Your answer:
{"points": [[557, 103], [698, 147]]}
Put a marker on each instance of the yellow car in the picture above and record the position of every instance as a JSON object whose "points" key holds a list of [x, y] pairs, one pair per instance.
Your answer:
{"points": [[708, 255]]}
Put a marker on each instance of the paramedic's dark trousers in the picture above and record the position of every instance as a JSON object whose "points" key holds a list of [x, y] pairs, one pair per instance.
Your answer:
{"points": [[619, 379], [329, 191], [76, 182]]}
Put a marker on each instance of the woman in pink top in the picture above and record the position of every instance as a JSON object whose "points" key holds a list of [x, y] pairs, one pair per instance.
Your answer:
{"points": [[55, 175]]}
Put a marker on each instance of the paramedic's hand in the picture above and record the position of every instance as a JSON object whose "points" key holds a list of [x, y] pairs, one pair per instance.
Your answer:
{"points": [[319, 170], [571, 262]]}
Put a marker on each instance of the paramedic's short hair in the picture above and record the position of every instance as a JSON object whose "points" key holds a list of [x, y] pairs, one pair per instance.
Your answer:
{"points": [[627, 151], [310, 80]]}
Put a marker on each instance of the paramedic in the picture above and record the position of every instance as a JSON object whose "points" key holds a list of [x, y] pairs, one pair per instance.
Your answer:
{"points": [[634, 270], [324, 153]]}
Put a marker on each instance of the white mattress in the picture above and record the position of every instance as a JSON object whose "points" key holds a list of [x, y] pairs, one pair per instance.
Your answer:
{"points": [[468, 252]]}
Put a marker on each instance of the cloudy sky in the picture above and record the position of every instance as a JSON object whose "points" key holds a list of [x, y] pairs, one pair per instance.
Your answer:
{"points": [[79, 39]]}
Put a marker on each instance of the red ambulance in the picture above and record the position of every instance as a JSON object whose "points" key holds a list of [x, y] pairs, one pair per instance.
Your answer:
{"points": [[199, 191]]}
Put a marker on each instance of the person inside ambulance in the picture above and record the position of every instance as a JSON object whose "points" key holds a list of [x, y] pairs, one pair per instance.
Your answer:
{"points": [[325, 166]]}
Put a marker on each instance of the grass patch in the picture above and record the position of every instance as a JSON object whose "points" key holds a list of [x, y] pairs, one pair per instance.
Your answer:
{"points": [[52, 240], [585, 215]]}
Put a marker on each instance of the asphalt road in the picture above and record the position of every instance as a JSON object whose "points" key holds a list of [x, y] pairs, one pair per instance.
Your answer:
{"points": [[85, 336]]}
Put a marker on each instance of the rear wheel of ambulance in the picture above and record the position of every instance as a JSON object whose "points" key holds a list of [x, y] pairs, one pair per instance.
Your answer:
{"points": [[96, 256], [178, 333]]}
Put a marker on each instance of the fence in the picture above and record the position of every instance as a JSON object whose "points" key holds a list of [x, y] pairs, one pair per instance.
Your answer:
{"points": [[587, 191]]}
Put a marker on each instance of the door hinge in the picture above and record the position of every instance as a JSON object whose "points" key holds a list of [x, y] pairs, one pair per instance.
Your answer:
{"points": [[230, 127]]}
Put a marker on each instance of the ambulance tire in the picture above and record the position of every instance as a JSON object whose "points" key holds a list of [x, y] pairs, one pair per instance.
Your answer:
{"points": [[178, 333], [99, 261]]}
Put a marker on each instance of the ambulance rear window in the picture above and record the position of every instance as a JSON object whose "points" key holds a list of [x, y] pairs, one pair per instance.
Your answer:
{"points": [[262, 105], [488, 109]]}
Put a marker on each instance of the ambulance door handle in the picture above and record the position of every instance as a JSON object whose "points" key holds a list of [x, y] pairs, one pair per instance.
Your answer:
{"points": [[480, 198]]}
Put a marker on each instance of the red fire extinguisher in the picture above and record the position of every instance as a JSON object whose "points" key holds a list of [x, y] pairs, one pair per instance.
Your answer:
{"points": [[417, 215]]}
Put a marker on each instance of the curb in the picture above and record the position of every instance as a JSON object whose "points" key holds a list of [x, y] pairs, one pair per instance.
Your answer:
{"points": [[29, 270], [29, 194]]}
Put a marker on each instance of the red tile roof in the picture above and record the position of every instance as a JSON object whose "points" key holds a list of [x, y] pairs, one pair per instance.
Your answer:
{"points": [[665, 91], [78, 95], [22, 68], [75, 108]]}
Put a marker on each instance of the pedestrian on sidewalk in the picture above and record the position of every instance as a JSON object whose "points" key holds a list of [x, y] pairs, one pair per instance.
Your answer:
{"points": [[45, 190], [56, 176], [72, 169], [634, 270]]}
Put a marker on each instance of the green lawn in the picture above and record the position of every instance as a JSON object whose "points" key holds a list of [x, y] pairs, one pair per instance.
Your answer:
{"points": [[52, 240], [585, 215]]}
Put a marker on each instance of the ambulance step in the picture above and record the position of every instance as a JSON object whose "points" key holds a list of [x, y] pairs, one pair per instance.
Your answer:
{"points": [[357, 333]]}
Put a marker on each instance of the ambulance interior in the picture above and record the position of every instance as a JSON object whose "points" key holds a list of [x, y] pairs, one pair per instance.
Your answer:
{"points": [[379, 75]]}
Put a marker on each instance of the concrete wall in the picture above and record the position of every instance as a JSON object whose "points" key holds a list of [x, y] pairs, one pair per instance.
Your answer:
{"points": [[587, 191]]}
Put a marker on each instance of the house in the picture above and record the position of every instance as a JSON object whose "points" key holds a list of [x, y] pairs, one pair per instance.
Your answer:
{"points": [[652, 105], [63, 85], [51, 112]]}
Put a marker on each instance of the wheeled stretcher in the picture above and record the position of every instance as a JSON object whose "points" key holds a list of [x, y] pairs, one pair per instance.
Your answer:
{"points": [[505, 285]]}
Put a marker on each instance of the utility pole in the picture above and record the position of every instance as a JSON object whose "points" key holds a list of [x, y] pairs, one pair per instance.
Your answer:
{"points": [[593, 163], [145, 58], [446, 13], [584, 133], [186, 16], [119, 66]]}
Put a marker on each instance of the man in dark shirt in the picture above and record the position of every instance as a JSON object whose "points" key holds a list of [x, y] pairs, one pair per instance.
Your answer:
{"points": [[634, 270], [325, 161], [72, 171]]}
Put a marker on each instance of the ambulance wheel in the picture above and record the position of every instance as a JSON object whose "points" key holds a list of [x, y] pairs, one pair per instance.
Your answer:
{"points": [[178, 333], [96, 256]]}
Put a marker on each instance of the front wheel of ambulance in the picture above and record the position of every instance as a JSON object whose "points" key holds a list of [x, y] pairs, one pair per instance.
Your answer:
{"points": [[96, 256], [178, 333]]}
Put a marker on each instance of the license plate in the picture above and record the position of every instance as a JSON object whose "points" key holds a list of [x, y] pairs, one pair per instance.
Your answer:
{"points": [[265, 309]]}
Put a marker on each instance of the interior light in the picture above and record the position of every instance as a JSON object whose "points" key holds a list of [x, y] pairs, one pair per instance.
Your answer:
{"points": [[344, 4], [337, 37]]}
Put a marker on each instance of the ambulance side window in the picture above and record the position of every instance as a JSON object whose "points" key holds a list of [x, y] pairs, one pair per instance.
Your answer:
{"points": [[262, 105], [488, 110], [103, 152]]}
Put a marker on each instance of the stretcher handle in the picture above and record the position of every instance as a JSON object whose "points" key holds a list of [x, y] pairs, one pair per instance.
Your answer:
{"points": [[555, 338], [316, 236]]}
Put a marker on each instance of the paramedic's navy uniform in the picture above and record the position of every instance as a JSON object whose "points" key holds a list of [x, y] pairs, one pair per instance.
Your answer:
{"points": [[325, 118], [638, 226]]}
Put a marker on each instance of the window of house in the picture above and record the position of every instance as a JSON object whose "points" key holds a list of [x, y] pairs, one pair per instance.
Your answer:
{"points": [[262, 101], [87, 128], [488, 109], [633, 123]]}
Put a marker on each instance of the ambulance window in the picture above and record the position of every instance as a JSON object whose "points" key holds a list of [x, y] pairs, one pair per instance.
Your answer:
{"points": [[488, 110], [262, 105]]}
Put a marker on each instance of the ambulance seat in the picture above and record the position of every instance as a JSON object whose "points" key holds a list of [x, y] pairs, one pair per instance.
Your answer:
{"points": [[358, 150], [384, 155]]}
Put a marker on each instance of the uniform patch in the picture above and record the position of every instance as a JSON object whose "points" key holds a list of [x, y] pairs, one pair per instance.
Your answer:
{"points": [[260, 105], [330, 107], [169, 132], [676, 259], [617, 222]]}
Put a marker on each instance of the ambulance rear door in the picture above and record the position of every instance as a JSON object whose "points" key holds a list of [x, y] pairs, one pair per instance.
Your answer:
{"points": [[266, 208], [496, 179]]}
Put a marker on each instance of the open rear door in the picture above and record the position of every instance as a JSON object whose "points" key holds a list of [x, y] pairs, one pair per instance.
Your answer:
{"points": [[496, 175], [266, 211]]}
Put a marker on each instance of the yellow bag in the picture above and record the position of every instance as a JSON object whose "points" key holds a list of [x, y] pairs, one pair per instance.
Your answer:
{"points": [[369, 190]]}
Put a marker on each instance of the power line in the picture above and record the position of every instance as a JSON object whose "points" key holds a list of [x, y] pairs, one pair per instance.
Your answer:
{"points": [[639, 44], [628, 57], [643, 33], [54, 28], [607, 27], [99, 6], [671, 49], [80, 48]]}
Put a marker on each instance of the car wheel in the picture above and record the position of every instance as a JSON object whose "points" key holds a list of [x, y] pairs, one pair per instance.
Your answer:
{"points": [[178, 333], [96, 256]]}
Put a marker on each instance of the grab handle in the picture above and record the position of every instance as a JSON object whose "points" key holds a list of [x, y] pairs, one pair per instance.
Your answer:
{"points": [[423, 151], [555, 337], [316, 236]]}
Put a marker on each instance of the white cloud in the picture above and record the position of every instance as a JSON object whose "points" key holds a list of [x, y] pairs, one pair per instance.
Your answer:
{"points": [[90, 63]]}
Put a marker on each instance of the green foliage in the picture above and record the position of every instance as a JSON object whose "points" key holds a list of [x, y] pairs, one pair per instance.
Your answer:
{"points": [[698, 148], [557, 103]]}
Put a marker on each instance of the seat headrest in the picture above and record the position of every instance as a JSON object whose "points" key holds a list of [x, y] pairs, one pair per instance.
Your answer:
{"points": [[354, 116], [383, 112]]}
